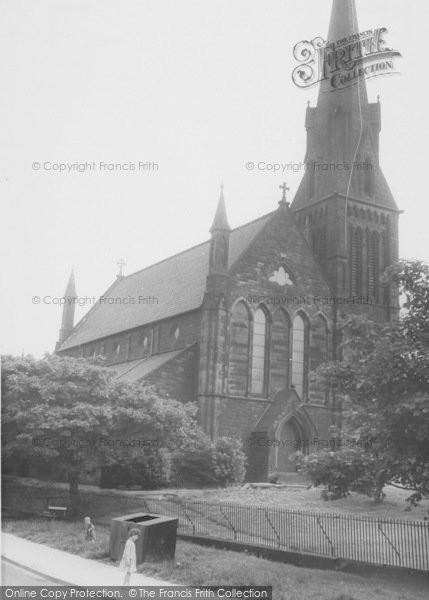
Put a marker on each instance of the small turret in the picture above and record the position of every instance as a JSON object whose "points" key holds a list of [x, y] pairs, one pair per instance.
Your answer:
{"points": [[219, 243], [67, 321], [211, 385]]}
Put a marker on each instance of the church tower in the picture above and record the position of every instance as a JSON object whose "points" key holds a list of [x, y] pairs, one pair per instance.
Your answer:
{"points": [[214, 321], [344, 205], [67, 321]]}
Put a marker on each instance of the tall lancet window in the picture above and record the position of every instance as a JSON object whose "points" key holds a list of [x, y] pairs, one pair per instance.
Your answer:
{"points": [[259, 352], [356, 261], [373, 265], [299, 352], [279, 351], [311, 166], [368, 173], [239, 350], [318, 355], [222, 252], [338, 131], [218, 253]]}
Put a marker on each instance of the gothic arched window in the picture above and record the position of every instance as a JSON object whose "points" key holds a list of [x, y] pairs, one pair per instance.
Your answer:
{"points": [[222, 252], [318, 355], [338, 131], [356, 261], [259, 343], [299, 355], [279, 351], [239, 350], [311, 178], [373, 265], [218, 252], [368, 176]]}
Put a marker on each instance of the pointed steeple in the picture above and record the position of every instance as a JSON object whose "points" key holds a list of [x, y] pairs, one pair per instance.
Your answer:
{"points": [[67, 321], [220, 222], [343, 196], [343, 130], [71, 286], [343, 21], [342, 113], [219, 243], [343, 24]]}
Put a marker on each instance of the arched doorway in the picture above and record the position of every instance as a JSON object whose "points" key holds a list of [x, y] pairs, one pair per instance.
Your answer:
{"points": [[283, 428], [289, 438]]}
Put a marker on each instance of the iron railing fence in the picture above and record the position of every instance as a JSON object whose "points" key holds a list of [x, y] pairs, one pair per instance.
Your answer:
{"points": [[379, 541]]}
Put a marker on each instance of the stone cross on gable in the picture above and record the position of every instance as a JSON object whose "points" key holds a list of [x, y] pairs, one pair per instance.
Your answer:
{"points": [[121, 264], [284, 189]]}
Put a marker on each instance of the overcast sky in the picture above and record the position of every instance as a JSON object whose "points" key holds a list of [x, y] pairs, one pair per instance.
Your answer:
{"points": [[201, 87]]}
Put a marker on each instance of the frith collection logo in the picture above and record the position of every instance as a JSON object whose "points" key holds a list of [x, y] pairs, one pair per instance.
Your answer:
{"points": [[345, 61]]}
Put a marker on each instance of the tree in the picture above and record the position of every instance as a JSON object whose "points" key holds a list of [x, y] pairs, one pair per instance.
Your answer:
{"points": [[384, 384], [75, 414]]}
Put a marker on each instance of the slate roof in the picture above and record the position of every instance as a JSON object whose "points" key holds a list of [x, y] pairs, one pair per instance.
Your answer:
{"points": [[137, 369], [177, 284], [122, 368]]}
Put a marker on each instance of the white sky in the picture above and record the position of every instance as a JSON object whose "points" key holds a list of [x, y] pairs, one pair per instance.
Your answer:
{"points": [[199, 86]]}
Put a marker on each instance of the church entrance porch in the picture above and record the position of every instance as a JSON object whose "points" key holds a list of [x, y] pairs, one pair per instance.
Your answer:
{"points": [[283, 429], [289, 438]]}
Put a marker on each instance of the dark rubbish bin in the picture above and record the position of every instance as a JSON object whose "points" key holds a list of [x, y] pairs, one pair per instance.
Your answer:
{"points": [[157, 536]]}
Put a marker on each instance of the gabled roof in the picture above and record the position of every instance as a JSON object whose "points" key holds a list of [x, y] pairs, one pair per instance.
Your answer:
{"points": [[171, 287]]}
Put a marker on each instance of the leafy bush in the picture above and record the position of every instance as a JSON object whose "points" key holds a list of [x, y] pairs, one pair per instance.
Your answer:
{"points": [[342, 472], [203, 462], [152, 473], [228, 461], [273, 477]]}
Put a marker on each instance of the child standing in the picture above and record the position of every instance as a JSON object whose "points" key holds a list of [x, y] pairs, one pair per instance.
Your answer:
{"points": [[89, 530], [129, 560]]}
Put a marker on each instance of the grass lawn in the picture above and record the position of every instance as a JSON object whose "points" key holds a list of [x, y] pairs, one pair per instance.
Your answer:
{"points": [[294, 498], [198, 565], [300, 498]]}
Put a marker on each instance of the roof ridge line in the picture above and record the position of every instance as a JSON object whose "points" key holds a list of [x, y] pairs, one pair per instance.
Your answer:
{"points": [[194, 247], [86, 315], [270, 214]]}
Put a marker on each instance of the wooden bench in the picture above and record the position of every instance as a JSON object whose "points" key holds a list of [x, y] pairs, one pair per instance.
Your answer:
{"points": [[57, 511], [54, 509]]}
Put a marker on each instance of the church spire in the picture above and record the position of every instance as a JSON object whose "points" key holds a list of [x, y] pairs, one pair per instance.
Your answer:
{"points": [[343, 21], [343, 24], [344, 204], [342, 155], [67, 321], [71, 286], [220, 222]]}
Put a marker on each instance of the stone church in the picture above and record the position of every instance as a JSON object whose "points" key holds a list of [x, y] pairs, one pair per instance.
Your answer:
{"points": [[238, 323]]}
